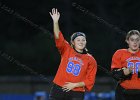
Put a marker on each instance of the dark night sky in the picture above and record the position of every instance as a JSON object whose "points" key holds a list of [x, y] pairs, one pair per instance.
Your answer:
{"points": [[36, 50]]}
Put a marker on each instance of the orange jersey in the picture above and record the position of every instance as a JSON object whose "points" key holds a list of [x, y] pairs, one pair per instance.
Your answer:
{"points": [[74, 67], [124, 58]]}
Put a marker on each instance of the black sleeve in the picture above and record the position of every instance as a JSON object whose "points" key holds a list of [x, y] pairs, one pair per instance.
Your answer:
{"points": [[138, 74], [119, 75]]}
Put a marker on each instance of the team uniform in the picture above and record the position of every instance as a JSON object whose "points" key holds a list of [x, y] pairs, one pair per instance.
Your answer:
{"points": [[128, 88], [74, 67]]}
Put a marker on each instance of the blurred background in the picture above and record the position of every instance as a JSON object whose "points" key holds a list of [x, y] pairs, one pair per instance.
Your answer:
{"points": [[103, 21]]}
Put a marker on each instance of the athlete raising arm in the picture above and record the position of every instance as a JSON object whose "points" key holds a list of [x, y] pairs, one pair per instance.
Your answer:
{"points": [[77, 69]]}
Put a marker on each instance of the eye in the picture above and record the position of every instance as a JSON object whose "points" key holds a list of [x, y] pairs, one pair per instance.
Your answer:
{"points": [[131, 39], [137, 40], [78, 39], [83, 40]]}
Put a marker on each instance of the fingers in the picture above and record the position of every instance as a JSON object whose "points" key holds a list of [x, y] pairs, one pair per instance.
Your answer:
{"points": [[66, 89], [127, 71], [58, 13], [54, 11], [50, 14], [130, 69]]}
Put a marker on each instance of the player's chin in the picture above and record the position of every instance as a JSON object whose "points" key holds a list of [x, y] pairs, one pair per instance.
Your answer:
{"points": [[135, 48], [81, 48]]}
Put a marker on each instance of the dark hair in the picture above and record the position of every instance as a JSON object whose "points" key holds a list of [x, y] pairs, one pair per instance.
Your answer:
{"points": [[76, 34], [132, 32]]}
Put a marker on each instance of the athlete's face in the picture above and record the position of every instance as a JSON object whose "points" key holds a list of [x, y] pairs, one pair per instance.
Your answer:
{"points": [[79, 43], [133, 42]]}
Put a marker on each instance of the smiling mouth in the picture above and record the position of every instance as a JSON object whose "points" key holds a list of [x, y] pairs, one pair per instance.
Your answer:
{"points": [[80, 45], [135, 46]]}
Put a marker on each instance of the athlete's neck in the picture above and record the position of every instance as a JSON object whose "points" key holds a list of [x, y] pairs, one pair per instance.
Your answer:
{"points": [[133, 51], [79, 51]]}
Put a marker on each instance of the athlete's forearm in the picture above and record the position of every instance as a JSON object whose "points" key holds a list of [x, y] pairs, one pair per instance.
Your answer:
{"points": [[80, 84], [119, 74], [69, 85], [56, 29]]}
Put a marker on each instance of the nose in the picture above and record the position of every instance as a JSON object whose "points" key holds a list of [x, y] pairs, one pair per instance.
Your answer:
{"points": [[81, 42]]}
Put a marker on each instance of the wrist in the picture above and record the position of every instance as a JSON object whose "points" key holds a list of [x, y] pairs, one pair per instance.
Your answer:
{"points": [[55, 22], [76, 84], [80, 84]]}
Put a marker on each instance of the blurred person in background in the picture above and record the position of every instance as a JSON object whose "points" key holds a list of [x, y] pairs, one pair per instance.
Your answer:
{"points": [[126, 65]]}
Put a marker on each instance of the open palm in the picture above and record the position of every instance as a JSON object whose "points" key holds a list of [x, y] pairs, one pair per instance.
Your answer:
{"points": [[55, 15]]}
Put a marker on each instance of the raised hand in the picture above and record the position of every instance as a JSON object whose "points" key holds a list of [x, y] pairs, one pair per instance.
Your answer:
{"points": [[55, 15]]}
